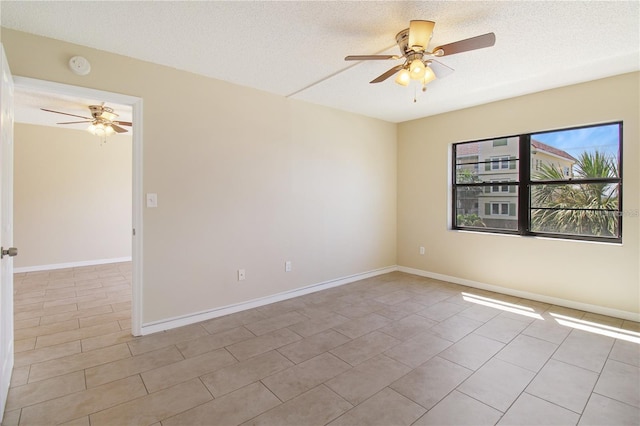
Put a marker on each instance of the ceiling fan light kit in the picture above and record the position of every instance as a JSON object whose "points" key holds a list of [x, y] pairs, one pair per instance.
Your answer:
{"points": [[418, 63], [103, 118], [101, 130]]}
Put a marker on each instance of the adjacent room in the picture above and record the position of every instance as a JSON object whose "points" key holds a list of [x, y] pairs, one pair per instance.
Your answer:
{"points": [[296, 213]]}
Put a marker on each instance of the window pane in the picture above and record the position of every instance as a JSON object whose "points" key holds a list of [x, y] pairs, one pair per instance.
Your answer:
{"points": [[486, 161], [478, 207], [585, 153], [576, 209], [467, 204]]}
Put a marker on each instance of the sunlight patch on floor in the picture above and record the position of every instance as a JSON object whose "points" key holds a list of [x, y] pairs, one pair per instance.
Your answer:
{"points": [[498, 304], [592, 327]]}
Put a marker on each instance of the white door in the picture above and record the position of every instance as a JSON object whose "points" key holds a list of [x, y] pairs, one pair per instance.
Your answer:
{"points": [[6, 229]]}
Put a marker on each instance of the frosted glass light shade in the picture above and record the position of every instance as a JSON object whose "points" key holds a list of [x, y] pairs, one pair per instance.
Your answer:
{"points": [[417, 69], [403, 78], [420, 34], [428, 76]]}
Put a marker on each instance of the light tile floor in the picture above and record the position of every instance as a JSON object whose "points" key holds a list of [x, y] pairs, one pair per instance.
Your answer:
{"points": [[391, 350]]}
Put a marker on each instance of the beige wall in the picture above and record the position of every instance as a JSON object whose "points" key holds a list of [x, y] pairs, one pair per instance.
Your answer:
{"points": [[604, 275], [72, 196], [247, 179], [244, 179]]}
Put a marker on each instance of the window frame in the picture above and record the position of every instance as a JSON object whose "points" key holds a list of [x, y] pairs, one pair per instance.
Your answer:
{"points": [[525, 184]]}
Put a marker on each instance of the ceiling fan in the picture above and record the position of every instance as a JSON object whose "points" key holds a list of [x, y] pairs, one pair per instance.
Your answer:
{"points": [[103, 120], [418, 61]]}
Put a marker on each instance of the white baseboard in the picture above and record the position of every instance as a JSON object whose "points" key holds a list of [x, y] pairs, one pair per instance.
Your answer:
{"points": [[167, 324], [631, 316], [38, 268]]}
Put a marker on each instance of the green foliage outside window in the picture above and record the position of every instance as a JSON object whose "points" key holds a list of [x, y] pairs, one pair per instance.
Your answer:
{"points": [[577, 208]]}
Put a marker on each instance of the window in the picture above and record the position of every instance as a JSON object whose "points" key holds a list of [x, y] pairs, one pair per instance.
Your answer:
{"points": [[499, 209], [498, 163], [563, 183], [499, 188]]}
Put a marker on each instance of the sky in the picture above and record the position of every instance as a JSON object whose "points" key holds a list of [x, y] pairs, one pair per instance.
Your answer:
{"points": [[575, 141]]}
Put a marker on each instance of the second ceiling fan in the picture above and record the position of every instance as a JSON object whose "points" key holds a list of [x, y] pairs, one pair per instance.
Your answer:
{"points": [[418, 62], [103, 120]]}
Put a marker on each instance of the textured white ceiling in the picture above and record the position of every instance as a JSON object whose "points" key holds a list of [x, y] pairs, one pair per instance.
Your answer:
{"points": [[296, 48]]}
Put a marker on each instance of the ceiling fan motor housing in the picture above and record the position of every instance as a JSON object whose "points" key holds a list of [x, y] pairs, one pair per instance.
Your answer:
{"points": [[402, 38], [102, 112]]}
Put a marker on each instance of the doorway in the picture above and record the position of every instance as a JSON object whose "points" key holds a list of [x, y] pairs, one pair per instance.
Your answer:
{"points": [[68, 91]]}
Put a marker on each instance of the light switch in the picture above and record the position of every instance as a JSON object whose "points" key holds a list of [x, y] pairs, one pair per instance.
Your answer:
{"points": [[152, 200]]}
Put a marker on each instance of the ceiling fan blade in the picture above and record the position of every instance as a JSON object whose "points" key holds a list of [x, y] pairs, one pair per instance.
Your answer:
{"points": [[123, 123], [387, 74], [65, 113], [440, 69], [75, 122], [370, 57], [118, 129], [420, 33], [473, 43]]}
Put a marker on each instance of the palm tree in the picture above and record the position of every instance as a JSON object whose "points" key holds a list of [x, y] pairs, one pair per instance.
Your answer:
{"points": [[577, 208]]}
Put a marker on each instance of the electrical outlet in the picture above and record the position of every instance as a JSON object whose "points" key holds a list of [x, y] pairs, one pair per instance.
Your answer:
{"points": [[241, 275], [287, 266], [421, 250]]}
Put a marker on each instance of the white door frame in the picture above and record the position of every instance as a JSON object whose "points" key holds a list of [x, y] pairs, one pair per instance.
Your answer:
{"points": [[136, 220]]}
